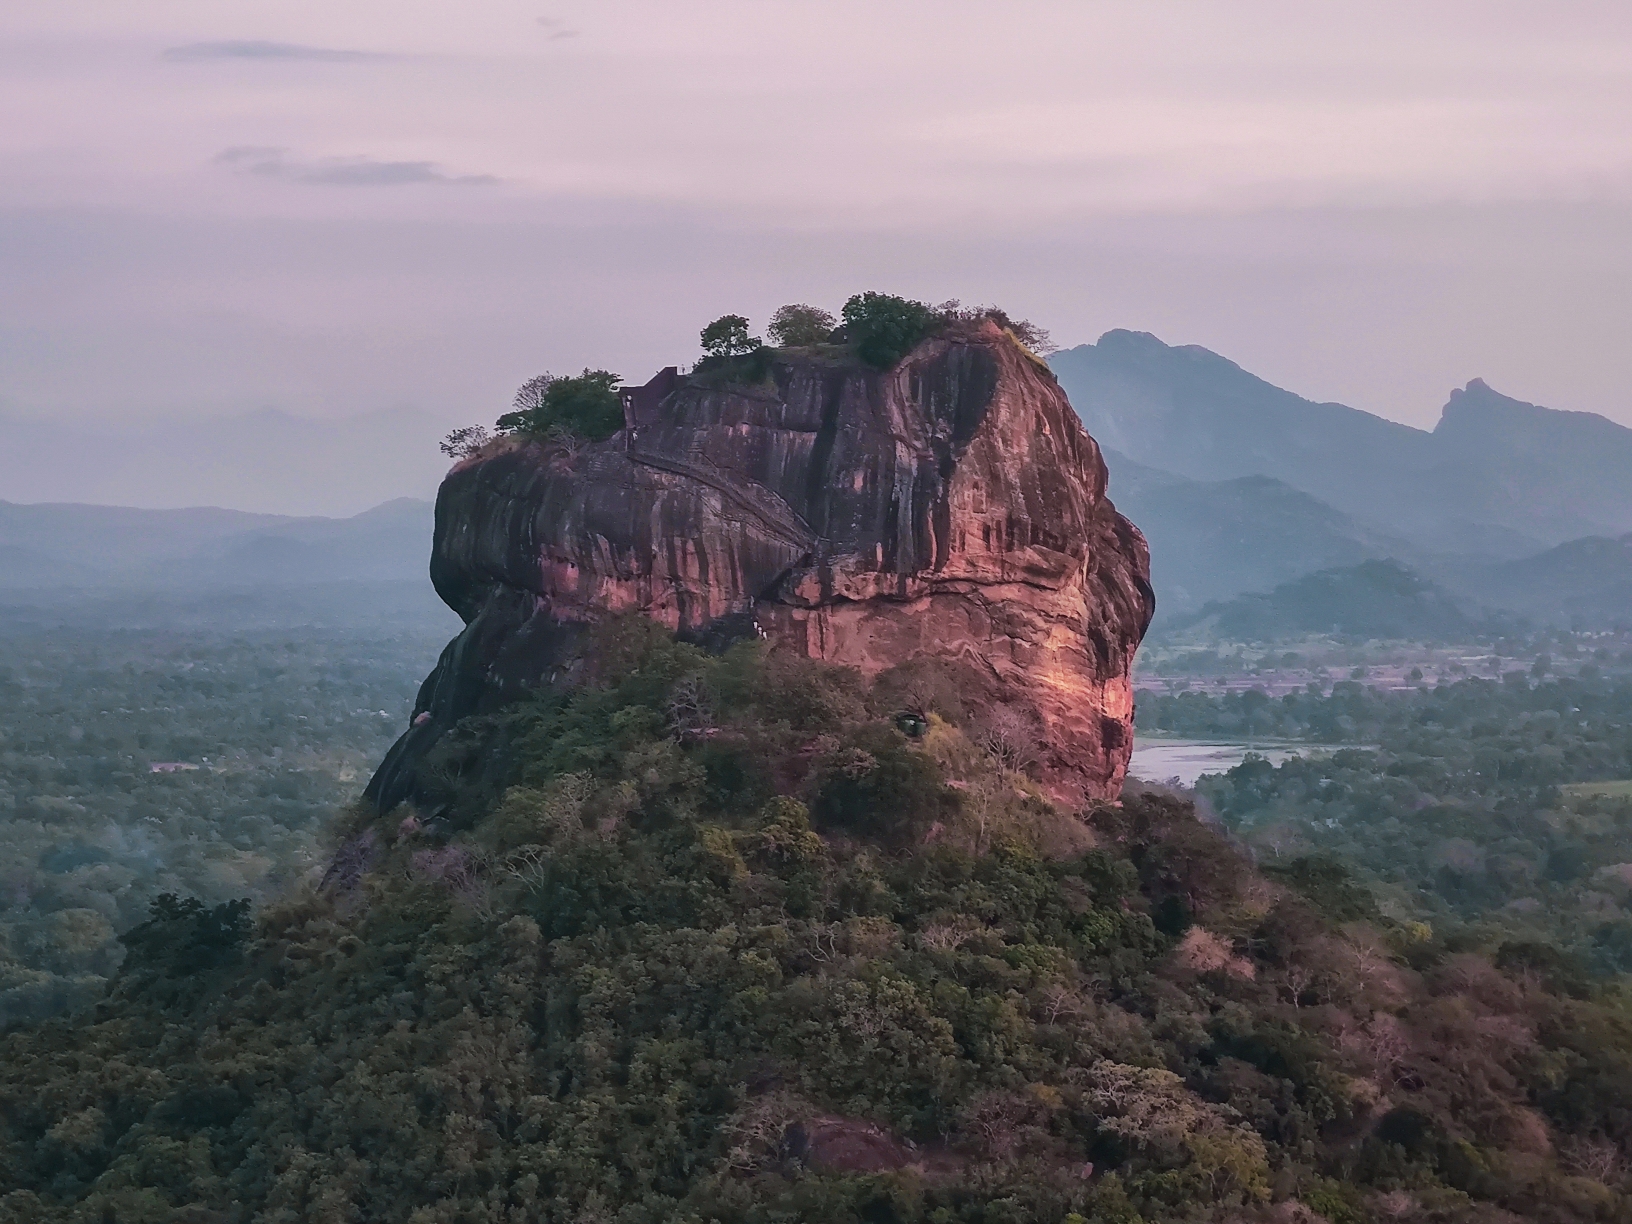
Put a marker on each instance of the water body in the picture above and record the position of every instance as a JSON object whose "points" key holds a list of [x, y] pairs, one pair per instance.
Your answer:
{"points": [[1163, 760]]}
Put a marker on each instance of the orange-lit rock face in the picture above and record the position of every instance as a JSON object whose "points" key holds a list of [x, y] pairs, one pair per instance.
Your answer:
{"points": [[952, 507]]}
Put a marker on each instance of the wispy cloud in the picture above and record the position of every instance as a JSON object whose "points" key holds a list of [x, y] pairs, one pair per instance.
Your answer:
{"points": [[342, 171], [557, 29], [260, 49]]}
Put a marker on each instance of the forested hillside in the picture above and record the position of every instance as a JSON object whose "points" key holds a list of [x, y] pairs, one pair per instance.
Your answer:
{"points": [[1211, 540], [1375, 600], [742, 938]]}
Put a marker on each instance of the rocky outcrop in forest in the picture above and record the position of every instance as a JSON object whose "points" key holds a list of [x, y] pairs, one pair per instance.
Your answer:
{"points": [[952, 507]]}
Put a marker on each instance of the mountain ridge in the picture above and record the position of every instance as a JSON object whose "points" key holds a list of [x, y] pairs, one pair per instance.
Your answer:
{"points": [[1378, 598], [1585, 583], [68, 544], [1212, 540], [1485, 480]]}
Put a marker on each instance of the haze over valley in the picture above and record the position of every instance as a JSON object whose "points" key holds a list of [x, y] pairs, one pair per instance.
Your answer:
{"points": [[1241, 487]]}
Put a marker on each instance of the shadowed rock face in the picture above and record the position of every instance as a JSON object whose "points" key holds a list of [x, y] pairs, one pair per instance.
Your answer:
{"points": [[951, 507]]}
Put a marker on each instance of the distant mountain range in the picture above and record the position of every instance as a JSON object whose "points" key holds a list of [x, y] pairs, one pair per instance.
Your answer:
{"points": [[1585, 583], [68, 545], [1241, 486], [1495, 477], [1211, 539]]}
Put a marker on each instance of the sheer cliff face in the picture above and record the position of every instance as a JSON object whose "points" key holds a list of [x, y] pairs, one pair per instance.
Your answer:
{"points": [[952, 507]]}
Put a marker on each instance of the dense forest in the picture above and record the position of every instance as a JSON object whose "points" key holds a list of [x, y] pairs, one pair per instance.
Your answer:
{"points": [[1487, 808], [207, 763], [741, 938]]}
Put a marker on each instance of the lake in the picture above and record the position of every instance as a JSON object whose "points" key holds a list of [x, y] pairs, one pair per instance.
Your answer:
{"points": [[1162, 760]]}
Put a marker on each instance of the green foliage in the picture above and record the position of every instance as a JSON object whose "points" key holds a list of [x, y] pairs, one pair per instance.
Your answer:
{"points": [[731, 356], [186, 937], [1329, 885], [885, 328], [282, 727], [1557, 970], [728, 337], [1337, 1202], [1455, 812], [799, 326], [584, 406], [875, 785], [705, 937]]}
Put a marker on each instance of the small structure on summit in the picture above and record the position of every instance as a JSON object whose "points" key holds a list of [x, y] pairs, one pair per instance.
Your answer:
{"points": [[642, 404], [951, 506]]}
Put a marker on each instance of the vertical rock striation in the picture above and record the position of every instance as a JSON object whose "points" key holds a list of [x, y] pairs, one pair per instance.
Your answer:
{"points": [[951, 507]]}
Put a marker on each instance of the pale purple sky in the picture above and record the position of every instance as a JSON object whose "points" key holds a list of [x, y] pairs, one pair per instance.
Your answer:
{"points": [[209, 209]]}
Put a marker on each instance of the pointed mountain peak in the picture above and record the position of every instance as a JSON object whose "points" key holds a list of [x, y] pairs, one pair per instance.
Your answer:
{"points": [[1478, 414], [1480, 393]]}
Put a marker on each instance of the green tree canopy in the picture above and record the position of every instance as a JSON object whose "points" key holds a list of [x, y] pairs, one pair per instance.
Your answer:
{"points": [[586, 406], [797, 325], [885, 328], [728, 337]]}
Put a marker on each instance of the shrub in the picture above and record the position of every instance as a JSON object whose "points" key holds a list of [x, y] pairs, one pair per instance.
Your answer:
{"points": [[732, 358], [462, 443], [586, 406], [1028, 333]]}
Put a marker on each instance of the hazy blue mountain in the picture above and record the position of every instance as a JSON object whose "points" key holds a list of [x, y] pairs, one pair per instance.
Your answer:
{"points": [[388, 542], [28, 567], [1496, 477], [67, 545], [1189, 411], [1210, 540], [1556, 475], [1375, 599], [100, 539], [1213, 541], [1585, 583]]}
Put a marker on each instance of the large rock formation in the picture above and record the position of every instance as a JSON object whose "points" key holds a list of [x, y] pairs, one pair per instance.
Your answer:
{"points": [[952, 506]]}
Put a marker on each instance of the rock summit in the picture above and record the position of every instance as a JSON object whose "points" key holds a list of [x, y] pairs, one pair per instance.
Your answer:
{"points": [[952, 508]]}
